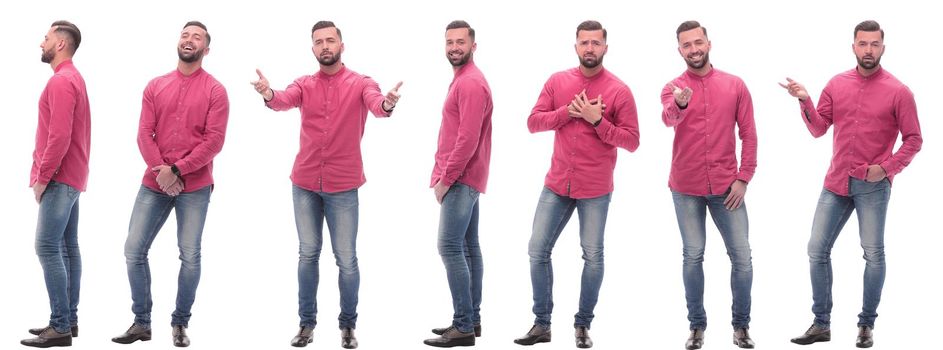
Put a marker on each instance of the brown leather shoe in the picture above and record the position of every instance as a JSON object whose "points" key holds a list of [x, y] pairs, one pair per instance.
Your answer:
{"points": [[695, 340], [303, 338], [181, 340], [348, 340], [134, 333], [865, 338], [741, 338], [536, 334], [813, 335], [440, 331], [36, 331], [49, 337], [452, 337], [583, 341]]}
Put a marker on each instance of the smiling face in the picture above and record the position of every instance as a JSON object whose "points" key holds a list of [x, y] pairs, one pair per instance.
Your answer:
{"points": [[459, 46], [694, 48], [327, 46], [868, 48], [590, 47], [192, 44]]}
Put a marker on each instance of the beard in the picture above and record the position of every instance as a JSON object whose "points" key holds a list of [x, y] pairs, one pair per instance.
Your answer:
{"points": [[590, 62], [190, 57], [329, 61], [875, 61], [460, 61], [48, 56], [698, 65]]}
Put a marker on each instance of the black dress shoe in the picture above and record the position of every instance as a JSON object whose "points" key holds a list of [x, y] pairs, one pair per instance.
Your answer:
{"points": [[813, 335], [452, 337], [134, 333], [348, 340], [865, 338], [440, 331], [741, 338], [36, 331], [695, 340], [181, 340], [536, 334], [583, 341], [49, 337], [303, 338]]}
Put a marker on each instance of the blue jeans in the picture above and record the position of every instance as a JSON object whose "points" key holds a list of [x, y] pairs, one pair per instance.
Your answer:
{"points": [[341, 211], [735, 230], [869, 200], [553, 212], [57, 245], [151, 209], [461, 254]]}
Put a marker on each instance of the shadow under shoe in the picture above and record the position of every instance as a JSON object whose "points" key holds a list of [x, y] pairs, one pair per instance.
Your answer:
{"points": [[181, 340], [865, 337], [348, 340], [813, 335], [303, 338], [440, 331], [452, 337], [134, 333], [695, 340], [536, 334], [741, 338], [36, 331], [49, 337], [583, 341]]}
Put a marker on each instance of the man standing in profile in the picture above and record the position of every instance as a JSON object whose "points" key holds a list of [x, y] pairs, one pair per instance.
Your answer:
{"points": [[182, 128], [704, 105], [460, 175], [58, 175], [328, 171], [869, 107], [587, 132]]}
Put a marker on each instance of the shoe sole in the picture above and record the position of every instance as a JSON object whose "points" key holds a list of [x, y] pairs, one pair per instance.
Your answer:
{"points": [[141, 338], [540, 339], [814, 340], [66, 342], [470, 341]]}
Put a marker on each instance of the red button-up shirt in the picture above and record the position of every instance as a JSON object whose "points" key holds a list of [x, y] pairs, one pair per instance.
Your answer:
{"points": [[183, 122], [465, 134], [868, 114], [584, 157], [333, 116], [704, 157], [63, 135]]}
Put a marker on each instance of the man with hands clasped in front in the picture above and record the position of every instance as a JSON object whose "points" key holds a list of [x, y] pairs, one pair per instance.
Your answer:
{"points": [[328, 171], [704, 105], [869, 108]]}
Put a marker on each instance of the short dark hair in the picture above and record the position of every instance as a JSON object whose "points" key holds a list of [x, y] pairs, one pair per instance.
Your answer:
{"points": [[201, 25], [688, 25], [458, 24], [72, 32], [326, 24], [869, 26], [591, 25]]}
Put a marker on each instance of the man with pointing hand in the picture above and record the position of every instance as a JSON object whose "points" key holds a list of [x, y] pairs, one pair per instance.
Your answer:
{"points": [[703, 105], [328, 170]]}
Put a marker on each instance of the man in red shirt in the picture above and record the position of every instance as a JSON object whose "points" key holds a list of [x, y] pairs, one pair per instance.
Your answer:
{"points": [[869, 108], [182, 128], [328, 170], [459, 176], [59, 174], [591, 113], [703, 105]]}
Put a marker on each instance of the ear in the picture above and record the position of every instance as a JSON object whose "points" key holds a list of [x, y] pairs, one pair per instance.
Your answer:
{"points": [[60, 45], [474, 47], [341, 50], [206, 51]]}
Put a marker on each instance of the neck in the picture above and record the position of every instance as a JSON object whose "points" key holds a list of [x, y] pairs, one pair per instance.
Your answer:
{"points": [[187, 68], [868, 72], [332, 69], [56, 61], [455, 69], [701, 71], [590, 72]]}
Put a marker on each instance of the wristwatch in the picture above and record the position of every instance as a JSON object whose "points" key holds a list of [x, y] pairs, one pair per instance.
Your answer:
{"points": [[174, 169]]}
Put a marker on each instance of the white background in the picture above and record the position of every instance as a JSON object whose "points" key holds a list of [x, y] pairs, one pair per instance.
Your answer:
{"points": [[247, 298]]}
